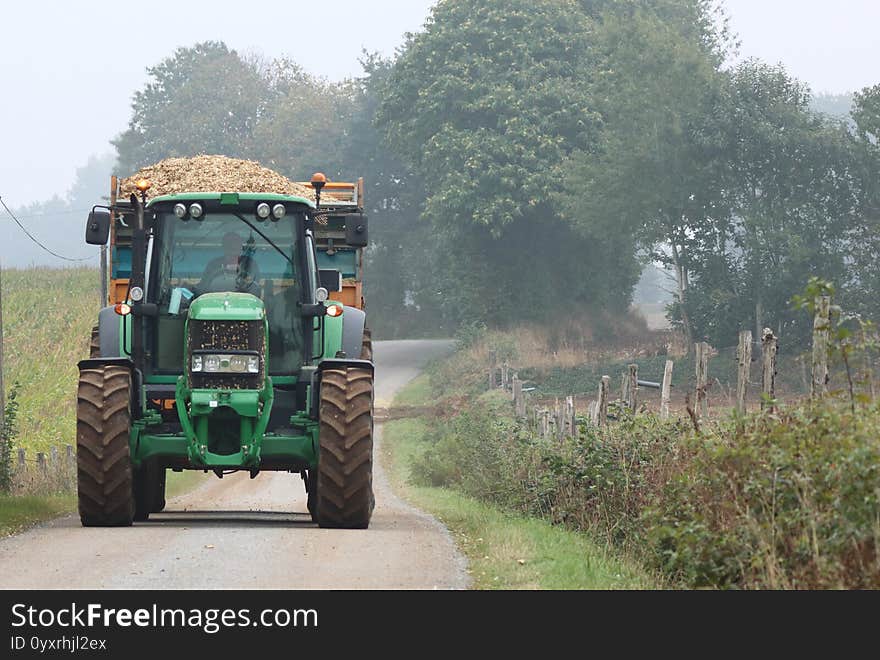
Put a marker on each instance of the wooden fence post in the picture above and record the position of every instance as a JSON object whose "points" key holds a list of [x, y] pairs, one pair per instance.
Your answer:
{"points": [[570, 420], [821, 331], [744, 357], [594, 413], [624, 388], [513, 382], [701, 360], [559, 420], [665, 390], [505, 374], [633, 387], [770, 346], [519, 406], [41, 462], [22, 460], [602, 407], [492, 379]]}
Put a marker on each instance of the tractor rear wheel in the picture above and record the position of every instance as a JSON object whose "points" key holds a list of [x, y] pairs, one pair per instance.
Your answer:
{"points": [[95, 343], [105, 479], [159, 496], [367, 345], [344, 485], [149, 490]]}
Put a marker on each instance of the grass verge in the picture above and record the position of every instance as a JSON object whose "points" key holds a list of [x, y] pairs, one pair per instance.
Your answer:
{"points": [[20, 512], [504, 550]]}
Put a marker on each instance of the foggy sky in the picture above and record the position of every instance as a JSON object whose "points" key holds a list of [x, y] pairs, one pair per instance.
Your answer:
{"points": [[68, 69]]}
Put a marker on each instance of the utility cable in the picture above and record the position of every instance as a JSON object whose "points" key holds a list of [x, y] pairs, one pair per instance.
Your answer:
{"points": [[33, 238]]}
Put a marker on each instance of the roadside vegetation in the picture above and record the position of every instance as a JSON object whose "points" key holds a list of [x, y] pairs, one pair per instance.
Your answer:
{"points": [[779, 500], [504, 549]]}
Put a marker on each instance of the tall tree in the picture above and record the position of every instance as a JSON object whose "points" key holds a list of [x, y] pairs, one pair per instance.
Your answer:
{"points": [[203, 99], [485, 105], [656, 172]]}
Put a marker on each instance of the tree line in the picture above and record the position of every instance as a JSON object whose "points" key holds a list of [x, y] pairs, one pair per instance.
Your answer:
{"points": [[526, 158]]}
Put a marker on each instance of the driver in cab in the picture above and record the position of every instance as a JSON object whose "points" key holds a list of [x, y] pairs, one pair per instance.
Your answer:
{"points": [[234, 270]]}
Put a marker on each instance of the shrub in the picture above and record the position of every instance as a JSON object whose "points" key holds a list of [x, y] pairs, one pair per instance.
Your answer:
{"points": [[7, 439]]}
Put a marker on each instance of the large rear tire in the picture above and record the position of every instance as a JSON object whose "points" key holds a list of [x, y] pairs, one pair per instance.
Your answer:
{"points": [[159, 498], [105, 479], [344, 486], [149, 490]]}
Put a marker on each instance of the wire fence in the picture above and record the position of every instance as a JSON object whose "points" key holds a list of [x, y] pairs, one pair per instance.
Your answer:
{"points": [[43, 473]]}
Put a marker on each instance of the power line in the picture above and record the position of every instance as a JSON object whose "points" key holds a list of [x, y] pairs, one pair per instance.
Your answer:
{"points": [[45, 213], [34, 239]]}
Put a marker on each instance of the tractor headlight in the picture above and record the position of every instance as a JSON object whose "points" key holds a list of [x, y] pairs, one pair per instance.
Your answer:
{"points": [[263, 210], [227, 364], [196, 211], [180, 210], [278, 211]]}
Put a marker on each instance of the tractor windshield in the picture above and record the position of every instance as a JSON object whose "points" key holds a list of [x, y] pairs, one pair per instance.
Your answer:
{"points": [[222, 253]]}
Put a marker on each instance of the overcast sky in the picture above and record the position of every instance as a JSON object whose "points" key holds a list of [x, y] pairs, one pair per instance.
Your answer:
{"points": [[68, 69]]}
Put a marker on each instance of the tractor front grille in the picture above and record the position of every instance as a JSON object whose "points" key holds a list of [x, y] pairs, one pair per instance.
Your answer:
{"points": [[224, 337]]}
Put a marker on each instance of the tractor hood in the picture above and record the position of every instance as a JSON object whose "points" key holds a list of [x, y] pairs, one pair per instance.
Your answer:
{"points": [[223, 306]]}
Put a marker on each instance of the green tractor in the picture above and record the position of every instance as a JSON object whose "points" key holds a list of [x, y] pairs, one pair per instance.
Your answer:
{"points": [[226, 355]]}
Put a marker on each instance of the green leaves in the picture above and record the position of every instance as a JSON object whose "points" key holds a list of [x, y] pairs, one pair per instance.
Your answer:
{"points": [[488, 101]]}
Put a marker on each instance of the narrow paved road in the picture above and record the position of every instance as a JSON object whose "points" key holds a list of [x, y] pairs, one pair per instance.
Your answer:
{"points": [[243, 533]]}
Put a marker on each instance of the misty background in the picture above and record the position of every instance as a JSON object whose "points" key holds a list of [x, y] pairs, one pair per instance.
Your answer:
{"points": [[336, 90]]}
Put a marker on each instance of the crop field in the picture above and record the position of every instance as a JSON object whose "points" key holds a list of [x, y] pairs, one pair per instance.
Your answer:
{"points": [[47, 318]]}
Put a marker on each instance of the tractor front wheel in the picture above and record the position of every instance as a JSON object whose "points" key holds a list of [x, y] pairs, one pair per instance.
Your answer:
{"points": [[105, 479], [344, 486]]}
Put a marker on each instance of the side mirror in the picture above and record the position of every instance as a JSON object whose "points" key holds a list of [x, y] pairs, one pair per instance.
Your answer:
{"points": [[356, 230], [98, 227], [330, 279], [317, 309]]}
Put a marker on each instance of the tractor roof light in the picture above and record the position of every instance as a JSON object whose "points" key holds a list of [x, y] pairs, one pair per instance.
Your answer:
{"points": [[196, 211], [180, 210], [263, 211], [319, 180], [122, 309], [278, 211], [143, 185], [334, 310]]}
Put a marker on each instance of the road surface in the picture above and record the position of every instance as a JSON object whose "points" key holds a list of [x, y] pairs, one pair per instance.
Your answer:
{"points": [[243, 533]]}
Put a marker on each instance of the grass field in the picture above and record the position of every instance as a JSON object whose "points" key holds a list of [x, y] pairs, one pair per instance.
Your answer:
{"points": [[47, 319]]}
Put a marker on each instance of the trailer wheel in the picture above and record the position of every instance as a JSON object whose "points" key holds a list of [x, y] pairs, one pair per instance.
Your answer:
{"points": [[104, 472], [344, 485], [95, 343], [367, 345]]}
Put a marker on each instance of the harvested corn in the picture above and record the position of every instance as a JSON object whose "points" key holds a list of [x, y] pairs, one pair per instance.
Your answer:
{"points": [[213, 174]]}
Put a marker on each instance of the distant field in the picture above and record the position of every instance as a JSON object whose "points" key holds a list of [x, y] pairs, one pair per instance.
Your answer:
{"points": [[47, 319]]}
